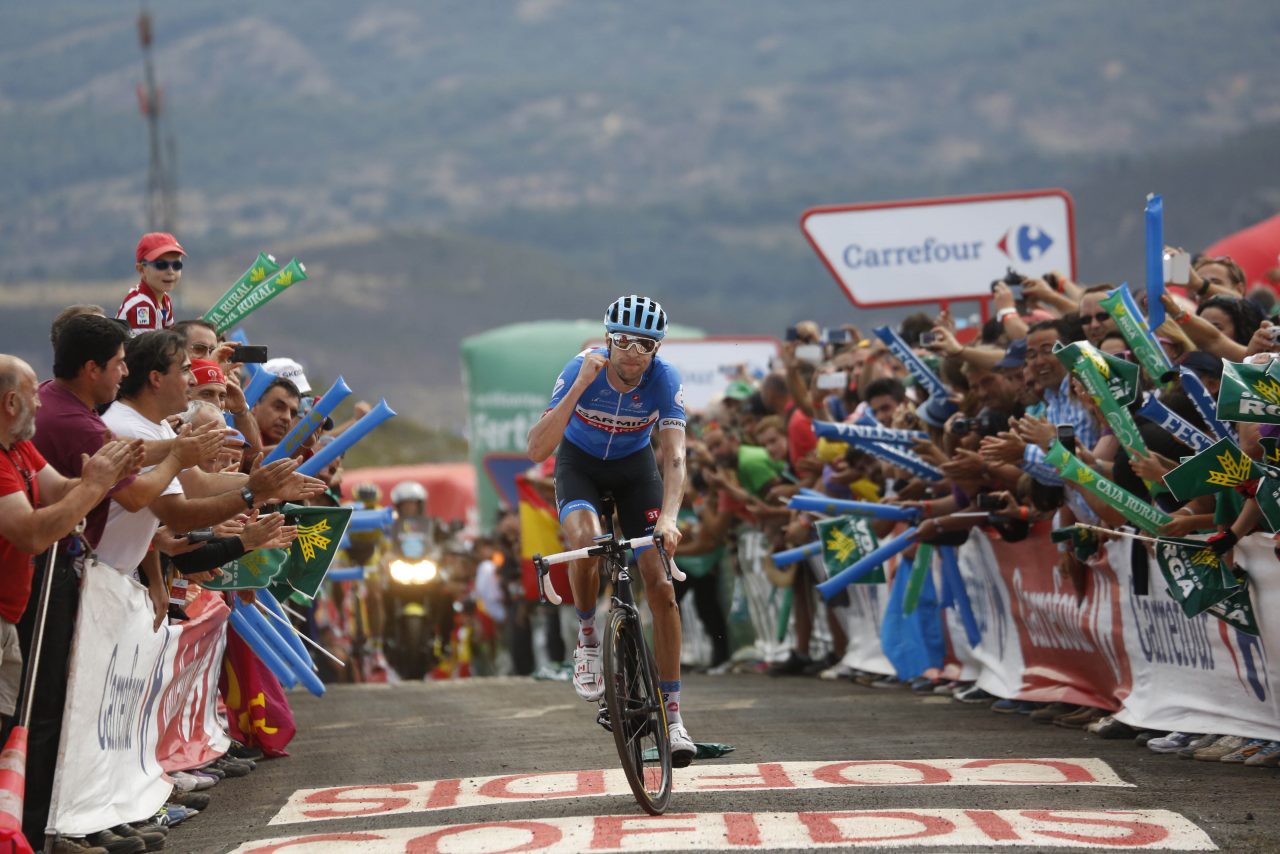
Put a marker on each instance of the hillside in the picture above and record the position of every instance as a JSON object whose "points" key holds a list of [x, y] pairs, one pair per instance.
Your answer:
{"points": [[449, 167]]}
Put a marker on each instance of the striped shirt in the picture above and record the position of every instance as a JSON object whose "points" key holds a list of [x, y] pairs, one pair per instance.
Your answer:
{"points": [[1062, 408], [143, 312]]}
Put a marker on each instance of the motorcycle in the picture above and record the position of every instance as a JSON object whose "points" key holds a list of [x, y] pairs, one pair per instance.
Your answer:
{"points": [[419, 607]]}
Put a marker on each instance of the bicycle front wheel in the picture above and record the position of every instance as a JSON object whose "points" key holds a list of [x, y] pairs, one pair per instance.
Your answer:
{"points": [[636, 711]]}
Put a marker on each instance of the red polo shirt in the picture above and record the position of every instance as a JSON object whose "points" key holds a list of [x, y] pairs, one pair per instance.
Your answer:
{"points": [[18, 470]]}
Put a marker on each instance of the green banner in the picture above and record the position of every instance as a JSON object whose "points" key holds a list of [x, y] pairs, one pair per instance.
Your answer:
{"points": [[845, 540], [1250, 392], [919, 571], [1197, 578], [1084, 543], [262, 268], [302, 567], [1222, 466], [320, 532], [1133, 327], [1268, 498], [263, 293], [256, 570], [1237, 610], [1137, 511], [1095, 373]]}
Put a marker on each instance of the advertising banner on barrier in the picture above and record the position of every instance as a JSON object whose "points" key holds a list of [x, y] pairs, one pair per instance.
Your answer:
{"points": [[108, 773], [927, 250], [1200, 674], [1049, 643], [1138, 655], [191, 734]]}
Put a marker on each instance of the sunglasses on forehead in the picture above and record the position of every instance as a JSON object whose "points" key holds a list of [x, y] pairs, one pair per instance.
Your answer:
{"points": [[164, 265], [623, 341]]}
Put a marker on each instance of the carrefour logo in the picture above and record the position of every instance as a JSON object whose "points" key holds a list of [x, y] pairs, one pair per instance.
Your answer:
{"points": [[1025, 243]]}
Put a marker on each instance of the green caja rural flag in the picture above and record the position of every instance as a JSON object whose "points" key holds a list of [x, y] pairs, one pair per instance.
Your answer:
{"points": [[302, 567], [1250, 392], [1196, 577], [256, 570], [320, 532], [1222, 466], [845, 540]]}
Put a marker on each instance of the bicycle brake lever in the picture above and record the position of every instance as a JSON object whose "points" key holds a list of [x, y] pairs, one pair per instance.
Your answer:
{"points": [[673, 571], [546, 590]]}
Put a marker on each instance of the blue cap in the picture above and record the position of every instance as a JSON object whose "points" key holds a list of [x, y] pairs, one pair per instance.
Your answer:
{"points": [[1015, 356], [936, 410]]}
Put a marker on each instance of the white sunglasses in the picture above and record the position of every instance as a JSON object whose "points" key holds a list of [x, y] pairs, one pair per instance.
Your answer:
{"points": [[623, 341]]}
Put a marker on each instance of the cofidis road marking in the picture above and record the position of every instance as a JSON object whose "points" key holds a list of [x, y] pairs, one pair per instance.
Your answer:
{"points": [[1099, 830], [391, 798]]}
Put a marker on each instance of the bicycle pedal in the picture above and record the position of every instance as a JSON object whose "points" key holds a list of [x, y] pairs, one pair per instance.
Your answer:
{"points": [[602, 718]]}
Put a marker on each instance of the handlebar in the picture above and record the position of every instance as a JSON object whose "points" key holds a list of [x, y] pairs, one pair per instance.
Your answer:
{"points": [[543, 563]]}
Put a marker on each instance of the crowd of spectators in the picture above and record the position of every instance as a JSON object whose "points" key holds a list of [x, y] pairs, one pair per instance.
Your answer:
{"points": [[141, 437], [1007, 399]]}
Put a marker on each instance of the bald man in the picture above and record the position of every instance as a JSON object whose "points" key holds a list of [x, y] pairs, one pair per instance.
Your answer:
{"points": [[38, 506]]}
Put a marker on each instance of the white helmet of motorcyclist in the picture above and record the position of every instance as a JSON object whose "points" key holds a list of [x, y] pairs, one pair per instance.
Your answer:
{"points": [[408, 490]]}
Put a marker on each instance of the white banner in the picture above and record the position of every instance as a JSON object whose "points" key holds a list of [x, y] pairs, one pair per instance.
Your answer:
{"points": [[1199, 674], [121, 691], [708, 365], [926, 250], [997, 659]]}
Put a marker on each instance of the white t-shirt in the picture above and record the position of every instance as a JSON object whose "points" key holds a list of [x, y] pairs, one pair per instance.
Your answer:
{"points": [[128, 535]]}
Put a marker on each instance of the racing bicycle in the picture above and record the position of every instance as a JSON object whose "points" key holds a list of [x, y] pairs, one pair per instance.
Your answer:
{"points": [[632, 708]]}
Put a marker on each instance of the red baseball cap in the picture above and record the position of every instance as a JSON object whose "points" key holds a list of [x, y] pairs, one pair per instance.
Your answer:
{"points": [[207, 372], [156, 243]]}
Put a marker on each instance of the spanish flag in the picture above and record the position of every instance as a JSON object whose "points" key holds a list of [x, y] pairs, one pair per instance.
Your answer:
{"points": [[539, 534]]}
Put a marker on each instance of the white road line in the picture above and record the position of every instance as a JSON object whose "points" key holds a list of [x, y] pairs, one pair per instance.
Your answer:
{"points": [[1099, 830], [396, 798]]}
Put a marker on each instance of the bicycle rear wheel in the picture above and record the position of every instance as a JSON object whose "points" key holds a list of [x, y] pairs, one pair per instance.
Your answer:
{"points": [[636, 711]]}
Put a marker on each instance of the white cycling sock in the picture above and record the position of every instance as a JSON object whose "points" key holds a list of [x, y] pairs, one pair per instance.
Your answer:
{"points": [[671, 698], [587, 628]]}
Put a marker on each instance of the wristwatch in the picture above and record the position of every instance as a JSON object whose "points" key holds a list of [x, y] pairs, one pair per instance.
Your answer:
{"points": [[247, 494]]}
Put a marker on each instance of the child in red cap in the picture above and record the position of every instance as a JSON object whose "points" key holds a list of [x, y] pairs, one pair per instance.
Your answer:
{"points": [[147, 306]]}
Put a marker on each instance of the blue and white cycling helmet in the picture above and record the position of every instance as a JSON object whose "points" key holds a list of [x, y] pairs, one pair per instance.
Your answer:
{"points": [[638, 316]]}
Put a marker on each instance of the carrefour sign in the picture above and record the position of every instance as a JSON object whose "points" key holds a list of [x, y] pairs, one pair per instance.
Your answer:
{"points": [[928, 250]]}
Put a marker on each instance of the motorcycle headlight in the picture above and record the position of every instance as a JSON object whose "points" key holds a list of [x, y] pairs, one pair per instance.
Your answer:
{"points": [[412, 572]]}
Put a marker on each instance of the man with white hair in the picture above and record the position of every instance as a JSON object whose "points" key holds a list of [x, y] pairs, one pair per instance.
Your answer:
{"points": [[38, 506]]}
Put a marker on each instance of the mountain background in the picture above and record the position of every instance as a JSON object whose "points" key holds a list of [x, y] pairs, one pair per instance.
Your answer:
{"points": [[444, 168]]}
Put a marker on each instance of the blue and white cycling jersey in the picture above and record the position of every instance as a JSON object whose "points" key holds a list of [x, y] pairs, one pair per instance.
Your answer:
{"points": [[609, 424]]}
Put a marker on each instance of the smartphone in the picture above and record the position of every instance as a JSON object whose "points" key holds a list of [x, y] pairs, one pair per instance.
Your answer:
{"points": [[811, 353], [1067, 436], [250, 353], [836, 381], [929, 339], [988, 501], [792, 334], [837, 336], [1016, 290], [1177, 268], [203, 535]]}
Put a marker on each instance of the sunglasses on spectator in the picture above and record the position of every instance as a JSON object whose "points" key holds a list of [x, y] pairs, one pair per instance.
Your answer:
{"points": [[164, 265], [1100, 317], [623, 341], [202, 350]]}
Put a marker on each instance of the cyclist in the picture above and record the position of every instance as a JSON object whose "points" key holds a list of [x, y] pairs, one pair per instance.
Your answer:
{"points": [[605, 404]]}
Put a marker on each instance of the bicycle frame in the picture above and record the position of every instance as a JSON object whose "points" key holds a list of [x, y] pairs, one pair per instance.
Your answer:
{"points": [[632, 707]]}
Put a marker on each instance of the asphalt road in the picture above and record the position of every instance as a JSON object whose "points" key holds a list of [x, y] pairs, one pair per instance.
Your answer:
{"points": [[816, 764]]}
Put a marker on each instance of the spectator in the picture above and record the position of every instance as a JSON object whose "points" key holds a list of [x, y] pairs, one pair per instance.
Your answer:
{"points": [[277, 410], [148, 306], [155, 387], [38, 506], [88, 367], [883, 398]]}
